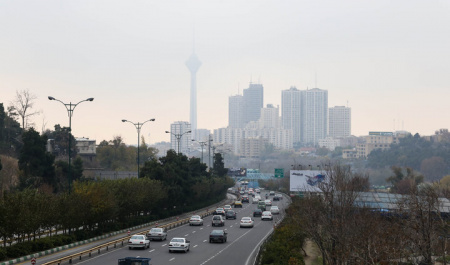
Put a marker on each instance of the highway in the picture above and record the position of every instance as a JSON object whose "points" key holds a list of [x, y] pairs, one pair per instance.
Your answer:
{"points": [[240, 247]]}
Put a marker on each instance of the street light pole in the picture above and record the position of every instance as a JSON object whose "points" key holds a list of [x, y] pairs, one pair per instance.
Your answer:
{"points": [[178, 137], [202, 144], [70, 108], [138, 128]]}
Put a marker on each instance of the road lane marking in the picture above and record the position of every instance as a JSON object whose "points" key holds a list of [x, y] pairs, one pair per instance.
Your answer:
{"points": [[186, 235], [193, 232], [195, 246], [205, 240], [152, 250], [171, 259], [164, 245]]}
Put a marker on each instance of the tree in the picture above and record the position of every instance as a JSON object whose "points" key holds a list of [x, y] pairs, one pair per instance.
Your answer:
{"points": [[218, 166], [35, 163], [433, 168], [402, 183], [23, 104]]}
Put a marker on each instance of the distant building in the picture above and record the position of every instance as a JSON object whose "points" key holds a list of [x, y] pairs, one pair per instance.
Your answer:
{"points": [[253, 102], [86, 149], [270, 117], [236, 111], [292, 112], [193, 64], [329, 143], [180, 137], [349, 153], [252, 147], [339, 120], [305, 112], [377, 140]]}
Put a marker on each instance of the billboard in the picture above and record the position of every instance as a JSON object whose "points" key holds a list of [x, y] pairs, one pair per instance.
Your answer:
{"points": [[237, 172], [306, 180]]}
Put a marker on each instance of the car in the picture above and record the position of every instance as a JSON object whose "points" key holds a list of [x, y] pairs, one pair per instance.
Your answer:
{"points": [[179, 244], [279, 196], [196, 220], [276, 198], [268, 202], [217, 220], [266, 215], [242, 192], [257, 190], [245, 198], [227, 208], [255, 200], [238, 204], [274, 209], [230, 214], [271, 193], [219, 211], [246, 222], [257, 212], [218, 236], [262, 205], [157, 233], [138, 241]]}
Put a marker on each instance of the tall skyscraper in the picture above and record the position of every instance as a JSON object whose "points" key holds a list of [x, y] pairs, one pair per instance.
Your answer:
{"points": [[179, 136], [236, 111], [339, 122], [316, 115], [253, 102], [292, 112], [193, 64], [306, 113]]}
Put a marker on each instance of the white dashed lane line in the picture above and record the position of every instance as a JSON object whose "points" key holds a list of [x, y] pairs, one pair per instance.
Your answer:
{"points": [[152, 250], [195, 246], [171, 259], [186, 235]]}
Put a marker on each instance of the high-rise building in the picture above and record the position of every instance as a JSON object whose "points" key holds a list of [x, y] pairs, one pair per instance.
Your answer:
{"points": [[270, 117], [180, 137], [316, 115], [193, 64], [339, 119], [292, 112], [236, 111], [253, 102]]}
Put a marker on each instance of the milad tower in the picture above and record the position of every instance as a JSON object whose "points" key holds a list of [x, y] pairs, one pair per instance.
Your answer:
{"points": [[193, 64]]}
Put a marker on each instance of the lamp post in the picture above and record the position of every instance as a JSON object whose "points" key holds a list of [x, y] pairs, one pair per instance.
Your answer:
{"points": [[178, 137], [202, 144], [70, 108], [138, 128]]}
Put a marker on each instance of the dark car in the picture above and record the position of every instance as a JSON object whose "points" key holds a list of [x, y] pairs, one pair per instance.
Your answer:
{"points": [[257, 213], [218, 236], [276, 198], [245, 198], [230, 214]]}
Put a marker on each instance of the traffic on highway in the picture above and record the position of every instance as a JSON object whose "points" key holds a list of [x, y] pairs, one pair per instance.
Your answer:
{"points": [[209, 241]]}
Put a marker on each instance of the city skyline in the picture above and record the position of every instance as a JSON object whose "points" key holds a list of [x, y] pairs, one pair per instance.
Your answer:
{"points": [[386, 61]]}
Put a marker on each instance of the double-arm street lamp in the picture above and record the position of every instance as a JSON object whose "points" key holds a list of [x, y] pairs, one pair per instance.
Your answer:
{"points": [[202, 144], [178, 137], [70, 108], [138, 128]]}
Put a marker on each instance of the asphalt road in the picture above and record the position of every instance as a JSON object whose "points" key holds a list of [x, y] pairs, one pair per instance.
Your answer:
{"points": [[240, 248]]}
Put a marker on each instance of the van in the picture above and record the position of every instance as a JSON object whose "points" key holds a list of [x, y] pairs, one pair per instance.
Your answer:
{"points": [[262, 205]]}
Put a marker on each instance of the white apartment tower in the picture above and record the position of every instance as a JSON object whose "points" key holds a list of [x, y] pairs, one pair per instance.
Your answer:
{"points": [[292, 101], [316, 115], [235, 111], [270, 117], [180, 136], [339, 122]]}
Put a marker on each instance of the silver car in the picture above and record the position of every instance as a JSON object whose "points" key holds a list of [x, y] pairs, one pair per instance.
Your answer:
{"points": [[196, 220], [157, 233], [138, 241], [274, 209]]}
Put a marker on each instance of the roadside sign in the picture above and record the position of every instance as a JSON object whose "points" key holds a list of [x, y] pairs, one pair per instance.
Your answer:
{"points": [[279, 173], [33, 261]]}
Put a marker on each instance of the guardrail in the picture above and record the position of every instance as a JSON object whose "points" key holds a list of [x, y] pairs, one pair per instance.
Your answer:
{"points": [[120, 242]]}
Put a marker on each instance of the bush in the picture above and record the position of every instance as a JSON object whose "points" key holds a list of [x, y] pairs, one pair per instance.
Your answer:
{"points": [[3, 255], [43, 244]]}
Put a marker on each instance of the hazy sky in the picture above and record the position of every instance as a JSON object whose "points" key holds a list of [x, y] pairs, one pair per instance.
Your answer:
{"points": [[389, 60]]}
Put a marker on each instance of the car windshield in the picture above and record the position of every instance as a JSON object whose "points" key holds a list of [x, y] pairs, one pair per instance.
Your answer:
{"points": [[246, 219], [216, 217], [195, 217], [177, 240], [137, 237], [217, 232], [156, 230], [274, 207]]}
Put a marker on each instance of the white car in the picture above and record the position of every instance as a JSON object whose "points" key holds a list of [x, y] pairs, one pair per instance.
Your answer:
{"points": [[255, 200], [246, 222], [179, 244], [196, 220], [266, 215], [138, 241], [226, 208], [274, 209], [268, 202], [258, 191]]}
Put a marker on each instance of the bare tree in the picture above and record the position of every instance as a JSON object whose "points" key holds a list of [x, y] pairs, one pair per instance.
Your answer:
{"points": [[23, 104]]}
